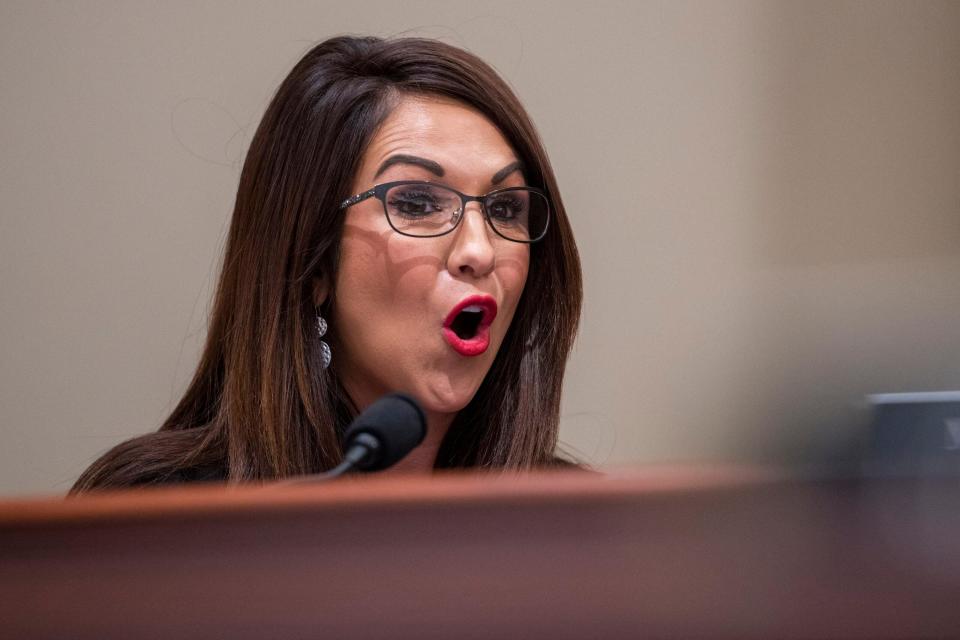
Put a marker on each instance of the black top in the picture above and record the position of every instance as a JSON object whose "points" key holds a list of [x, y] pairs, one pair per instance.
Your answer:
{"points": [[219, 474]]}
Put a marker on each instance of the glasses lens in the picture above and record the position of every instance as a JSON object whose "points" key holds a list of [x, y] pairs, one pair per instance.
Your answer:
{"points": [[422, 209], [518, 214]]}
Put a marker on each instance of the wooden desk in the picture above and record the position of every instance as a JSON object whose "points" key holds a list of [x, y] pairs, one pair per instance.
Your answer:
{"points": [[561, 555]]}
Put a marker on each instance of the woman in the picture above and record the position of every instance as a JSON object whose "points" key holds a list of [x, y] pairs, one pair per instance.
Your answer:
{"points": [[360, 260]]}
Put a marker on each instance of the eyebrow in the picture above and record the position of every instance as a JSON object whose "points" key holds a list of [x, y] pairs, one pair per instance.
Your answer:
{"points": [[507, 170], [400, 158], [437, 170]]}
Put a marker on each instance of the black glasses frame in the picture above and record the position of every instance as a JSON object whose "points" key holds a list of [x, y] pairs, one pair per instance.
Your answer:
{"points": [[380, 193]]}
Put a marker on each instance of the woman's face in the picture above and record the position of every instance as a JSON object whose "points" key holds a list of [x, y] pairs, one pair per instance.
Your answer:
{"points": [[396, 296]]}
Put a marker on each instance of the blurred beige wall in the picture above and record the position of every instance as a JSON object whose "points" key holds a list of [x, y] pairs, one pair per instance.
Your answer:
{"points": [[765, 196]]}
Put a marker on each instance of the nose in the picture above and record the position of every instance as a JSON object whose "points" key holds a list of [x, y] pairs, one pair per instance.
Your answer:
{"points": [[472, 252]]}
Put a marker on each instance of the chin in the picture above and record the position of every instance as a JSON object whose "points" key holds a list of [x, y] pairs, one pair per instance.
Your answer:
{"points": [[446, 398]]}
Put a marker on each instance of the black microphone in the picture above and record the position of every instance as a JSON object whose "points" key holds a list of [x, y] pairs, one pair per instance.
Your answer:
{"points": [[380, 436], [384, 433]]}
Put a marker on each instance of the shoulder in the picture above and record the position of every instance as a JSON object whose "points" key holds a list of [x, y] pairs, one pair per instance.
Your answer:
{"points": [[560, 463], [187, 475], [161, 457]]}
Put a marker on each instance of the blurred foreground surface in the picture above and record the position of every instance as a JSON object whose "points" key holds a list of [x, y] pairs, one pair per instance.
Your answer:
{"points": [[706, 552]]}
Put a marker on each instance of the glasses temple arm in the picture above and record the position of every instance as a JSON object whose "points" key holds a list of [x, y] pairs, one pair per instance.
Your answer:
{"points": [[360, 197]]}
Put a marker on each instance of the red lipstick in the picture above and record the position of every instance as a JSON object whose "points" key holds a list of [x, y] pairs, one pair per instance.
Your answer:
{"points": [[467, 327]]}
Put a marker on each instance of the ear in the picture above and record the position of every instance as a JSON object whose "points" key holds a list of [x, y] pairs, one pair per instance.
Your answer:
{"points": [[321, 289]]}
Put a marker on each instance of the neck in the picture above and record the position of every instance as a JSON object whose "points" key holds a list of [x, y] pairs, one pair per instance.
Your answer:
{"points": [[424, 457]]}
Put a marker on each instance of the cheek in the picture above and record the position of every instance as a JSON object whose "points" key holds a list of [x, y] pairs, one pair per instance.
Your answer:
{"points": [[381, 275], [512, 270], [359, 275]]}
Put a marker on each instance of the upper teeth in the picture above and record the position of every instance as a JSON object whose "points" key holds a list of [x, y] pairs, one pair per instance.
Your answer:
{"points": [[474, 308]]}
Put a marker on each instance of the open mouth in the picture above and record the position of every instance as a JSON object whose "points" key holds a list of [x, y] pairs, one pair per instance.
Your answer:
{"points": [[467, 322], [467, 327]]}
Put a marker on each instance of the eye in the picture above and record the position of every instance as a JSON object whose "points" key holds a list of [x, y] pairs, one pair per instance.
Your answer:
{"points": [[420, 201], [508, 207], [410, 202]]}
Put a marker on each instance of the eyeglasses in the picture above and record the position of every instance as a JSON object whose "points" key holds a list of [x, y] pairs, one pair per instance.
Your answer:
{"points": [[426, 209]]}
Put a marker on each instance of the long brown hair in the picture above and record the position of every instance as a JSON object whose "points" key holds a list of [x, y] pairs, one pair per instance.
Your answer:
{"points": [[260, 405]]}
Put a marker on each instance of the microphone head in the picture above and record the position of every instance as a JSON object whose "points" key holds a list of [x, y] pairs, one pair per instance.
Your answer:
{"points": [[396, 422]]}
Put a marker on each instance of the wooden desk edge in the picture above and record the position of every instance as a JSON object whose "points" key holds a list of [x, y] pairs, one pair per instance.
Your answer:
{"points": [[378, 491]]}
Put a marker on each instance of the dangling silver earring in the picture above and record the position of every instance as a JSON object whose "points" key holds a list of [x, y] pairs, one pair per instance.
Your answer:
{"points": [[325, 356]]}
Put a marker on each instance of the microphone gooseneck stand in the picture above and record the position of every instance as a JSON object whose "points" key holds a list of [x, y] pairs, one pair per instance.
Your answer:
{"points": [[378, 438]]}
